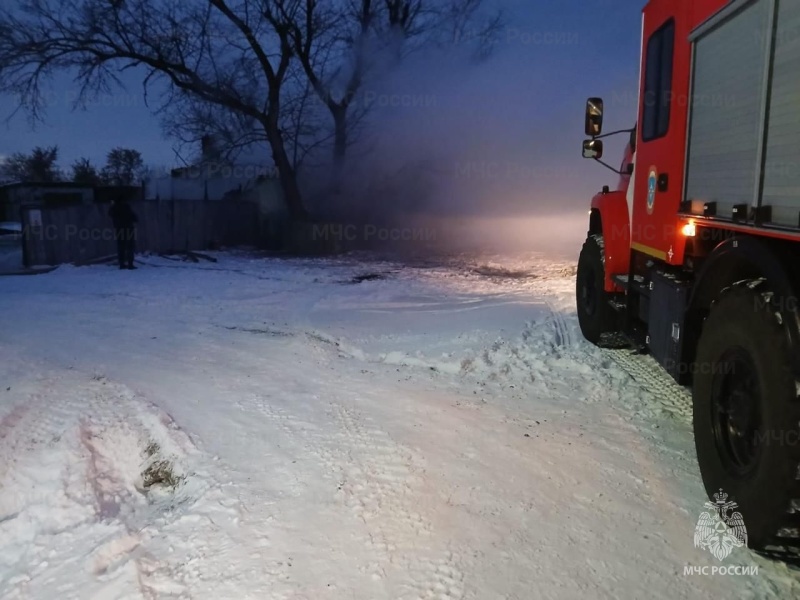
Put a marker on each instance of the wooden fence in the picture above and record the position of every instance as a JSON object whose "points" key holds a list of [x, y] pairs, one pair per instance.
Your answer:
{"points": [[82, 233]]}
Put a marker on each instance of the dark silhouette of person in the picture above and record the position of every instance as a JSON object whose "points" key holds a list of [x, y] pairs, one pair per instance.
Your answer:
{"points": [[124, 220]]}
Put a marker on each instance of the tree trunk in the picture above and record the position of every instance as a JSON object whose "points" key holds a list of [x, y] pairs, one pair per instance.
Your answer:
{"points": [[339, 146], [340, 135], [286, 173]]}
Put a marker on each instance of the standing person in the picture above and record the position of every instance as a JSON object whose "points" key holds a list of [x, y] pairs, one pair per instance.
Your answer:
{"points": [[124, 220]]}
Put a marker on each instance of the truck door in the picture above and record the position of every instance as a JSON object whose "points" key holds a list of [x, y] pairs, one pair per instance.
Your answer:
{"points": [[660, 160]]}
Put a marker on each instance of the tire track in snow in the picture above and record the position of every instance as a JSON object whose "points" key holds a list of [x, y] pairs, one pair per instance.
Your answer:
{"points": [[552, 353], [551, 356], [72, 491], [665, 396], [379, 486], [378, 483], [669, 396], [282, 583], [562, 330], [653, 390]]}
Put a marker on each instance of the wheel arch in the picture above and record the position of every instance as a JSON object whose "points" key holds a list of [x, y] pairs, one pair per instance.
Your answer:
{"points": [[609, 217], [595, 222], [747, 258]]}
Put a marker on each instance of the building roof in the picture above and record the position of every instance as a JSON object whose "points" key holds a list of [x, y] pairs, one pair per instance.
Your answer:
{"points": [[45, 184]]}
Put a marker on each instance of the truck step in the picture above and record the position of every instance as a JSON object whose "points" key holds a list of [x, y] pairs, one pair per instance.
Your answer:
{"points": [[621, 281], [638, 284], [619, 307]]}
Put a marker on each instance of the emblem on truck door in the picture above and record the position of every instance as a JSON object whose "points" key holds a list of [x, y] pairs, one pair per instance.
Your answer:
{"points": [[652, 185]]}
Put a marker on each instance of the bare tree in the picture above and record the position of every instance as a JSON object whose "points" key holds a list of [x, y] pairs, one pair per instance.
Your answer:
{"points": [[189, 120], [340, 49], [464, 22], [232, 54], [303, 125], [307, 127]]}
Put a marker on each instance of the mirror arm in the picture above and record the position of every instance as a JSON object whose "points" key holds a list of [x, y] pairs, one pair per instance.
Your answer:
{"points": [[605, 135], [607, 166]]}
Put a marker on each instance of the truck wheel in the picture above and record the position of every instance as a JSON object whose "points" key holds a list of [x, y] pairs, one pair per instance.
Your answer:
{"points": [[747, 414], [595, 313]]}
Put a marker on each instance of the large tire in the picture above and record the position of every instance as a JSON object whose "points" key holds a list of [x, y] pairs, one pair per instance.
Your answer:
{"points": [[596, 316], [747, 414]]}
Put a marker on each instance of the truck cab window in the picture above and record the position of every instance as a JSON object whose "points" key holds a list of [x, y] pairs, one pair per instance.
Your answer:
{"points": [[658, 82]]}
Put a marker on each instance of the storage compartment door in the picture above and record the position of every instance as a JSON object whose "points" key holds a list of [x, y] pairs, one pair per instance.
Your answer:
{"points": [[782, 166], [727, 109]]}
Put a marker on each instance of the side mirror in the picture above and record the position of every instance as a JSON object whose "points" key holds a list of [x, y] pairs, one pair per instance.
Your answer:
{"points": [[594, 116], [593, 149]]}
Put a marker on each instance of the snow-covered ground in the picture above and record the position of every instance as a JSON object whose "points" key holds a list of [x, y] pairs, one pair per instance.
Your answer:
{"points": [[339, 429]]}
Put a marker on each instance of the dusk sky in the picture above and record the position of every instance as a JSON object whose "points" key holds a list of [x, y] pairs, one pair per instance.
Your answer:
{"points": [[551, 56]]}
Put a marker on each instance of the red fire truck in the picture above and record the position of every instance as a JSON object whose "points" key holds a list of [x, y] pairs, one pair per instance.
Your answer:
{"points": [[695, 256]]}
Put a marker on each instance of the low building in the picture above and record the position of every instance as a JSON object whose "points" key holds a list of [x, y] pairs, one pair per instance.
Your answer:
{"points": [[60, 193], [202, 182], [213, 177]]}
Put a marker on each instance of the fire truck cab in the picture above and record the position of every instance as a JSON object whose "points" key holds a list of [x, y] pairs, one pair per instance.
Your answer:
{"points": [[694, 257]]}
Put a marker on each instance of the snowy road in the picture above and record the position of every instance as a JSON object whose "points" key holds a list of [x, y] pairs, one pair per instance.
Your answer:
{"points": [[339, 429]]}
